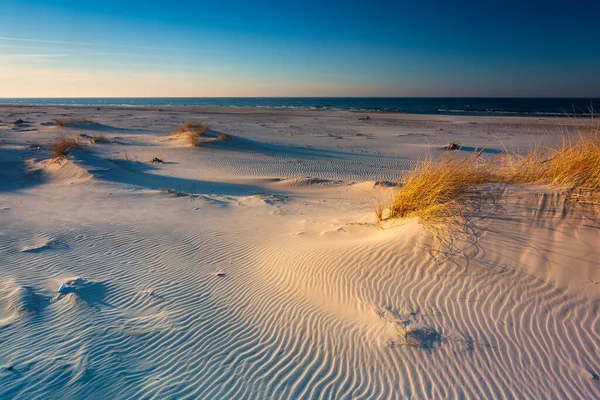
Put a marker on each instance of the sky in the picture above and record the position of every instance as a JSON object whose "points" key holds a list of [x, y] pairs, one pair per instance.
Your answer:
{"points": [[308, 48]]}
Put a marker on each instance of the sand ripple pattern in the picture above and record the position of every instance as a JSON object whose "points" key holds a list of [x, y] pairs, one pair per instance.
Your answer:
{"points": [[169, 310], [252, 159]]}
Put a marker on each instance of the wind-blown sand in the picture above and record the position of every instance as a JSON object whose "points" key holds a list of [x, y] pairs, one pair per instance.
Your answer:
{"points": [[254, 267]]}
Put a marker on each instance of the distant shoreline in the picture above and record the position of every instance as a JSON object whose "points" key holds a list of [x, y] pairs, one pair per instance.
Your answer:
{"points": [[260, 110], [531, 107]]}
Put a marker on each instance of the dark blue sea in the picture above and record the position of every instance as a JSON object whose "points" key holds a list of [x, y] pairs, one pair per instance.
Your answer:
{"points": [[410, 105]]}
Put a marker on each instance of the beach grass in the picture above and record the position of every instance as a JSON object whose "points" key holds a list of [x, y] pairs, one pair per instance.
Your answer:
{"points": [[194, 130], [99, 139], [573, 163], [71, 121], [443, 187], [62, 144], [439, 187]]}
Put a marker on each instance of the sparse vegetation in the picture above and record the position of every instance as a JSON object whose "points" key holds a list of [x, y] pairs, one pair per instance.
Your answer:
{"points": [[99, 139], [62, 144], [133, 157], [156, 160], [453, 146], [194, 130], [198, 128], [173, 191], [195, 138], [574, 163], [439, 187], [70, 121], [443, 187]]}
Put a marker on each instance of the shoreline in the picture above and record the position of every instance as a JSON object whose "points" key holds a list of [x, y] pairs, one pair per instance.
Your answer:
{"points": [[259, 110], [459, 106]]}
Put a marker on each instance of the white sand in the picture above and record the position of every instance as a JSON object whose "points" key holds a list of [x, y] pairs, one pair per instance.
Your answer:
{"points": [[267, 276]]}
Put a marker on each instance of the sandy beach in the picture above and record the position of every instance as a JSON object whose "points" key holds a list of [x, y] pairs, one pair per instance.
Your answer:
{"points": [[254, 267]]}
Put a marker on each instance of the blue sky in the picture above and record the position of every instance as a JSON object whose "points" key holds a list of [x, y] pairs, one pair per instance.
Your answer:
{"points": [[68, 48]]}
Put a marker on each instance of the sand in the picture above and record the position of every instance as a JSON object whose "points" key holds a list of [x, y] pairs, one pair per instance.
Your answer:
{"points": [[254, 267]]}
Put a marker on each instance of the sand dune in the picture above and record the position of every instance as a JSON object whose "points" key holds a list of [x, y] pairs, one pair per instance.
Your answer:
{"points": [[255, 268]]}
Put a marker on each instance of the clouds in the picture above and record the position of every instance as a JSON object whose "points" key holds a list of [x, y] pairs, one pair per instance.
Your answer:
{"points": [[100, 45]]}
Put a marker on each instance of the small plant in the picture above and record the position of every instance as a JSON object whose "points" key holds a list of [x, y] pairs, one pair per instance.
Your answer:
{"points": [[379, 208], [453, 146], [574, 163], [173, 191], [70, 121], [62, 144], [443, 188], [133, 157], [195, 138], [223, 137], [156, 160], [99, 139], [439, 188], [194, 130], [198, 127]]}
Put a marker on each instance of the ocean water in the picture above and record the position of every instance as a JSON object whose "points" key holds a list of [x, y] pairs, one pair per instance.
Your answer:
{"points": [[412, 105]]}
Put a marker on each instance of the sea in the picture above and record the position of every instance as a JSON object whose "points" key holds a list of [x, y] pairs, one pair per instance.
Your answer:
{"points": [[409, 105]]}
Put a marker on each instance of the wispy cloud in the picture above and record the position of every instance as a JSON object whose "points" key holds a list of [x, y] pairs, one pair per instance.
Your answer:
{"points": [[120, 46], [52, 55]]}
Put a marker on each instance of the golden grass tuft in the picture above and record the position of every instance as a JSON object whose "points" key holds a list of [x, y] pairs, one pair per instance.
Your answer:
{"points": [[439, 187], [443, 187], [61, 145], [223, 137], [71, 121], [453, 146], [199, 127], [99, 139], [194, 130], [573, 163]]}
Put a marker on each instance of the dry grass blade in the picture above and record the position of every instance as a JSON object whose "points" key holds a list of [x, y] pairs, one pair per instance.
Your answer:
{"points": [[71, 121], [194, 131], [61, 145], [441, 188], [574, 163], [99, 139], [436, 188], [453, 146]]}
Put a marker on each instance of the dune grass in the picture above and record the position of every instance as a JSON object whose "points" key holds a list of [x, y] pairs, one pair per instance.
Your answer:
{"points": [[573, 163], [62, 144], [194, 130], [99, 139], [440, 188], [71, 121]]}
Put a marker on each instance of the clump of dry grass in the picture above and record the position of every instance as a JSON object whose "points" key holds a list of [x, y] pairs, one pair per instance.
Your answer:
{"points": [[61, 145], [574, 164], [99, 139], [443, 187], [134, 157], [453, 146], [195, 138], [194, 130], [70, 121], [223, 137], [439, 187]]}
